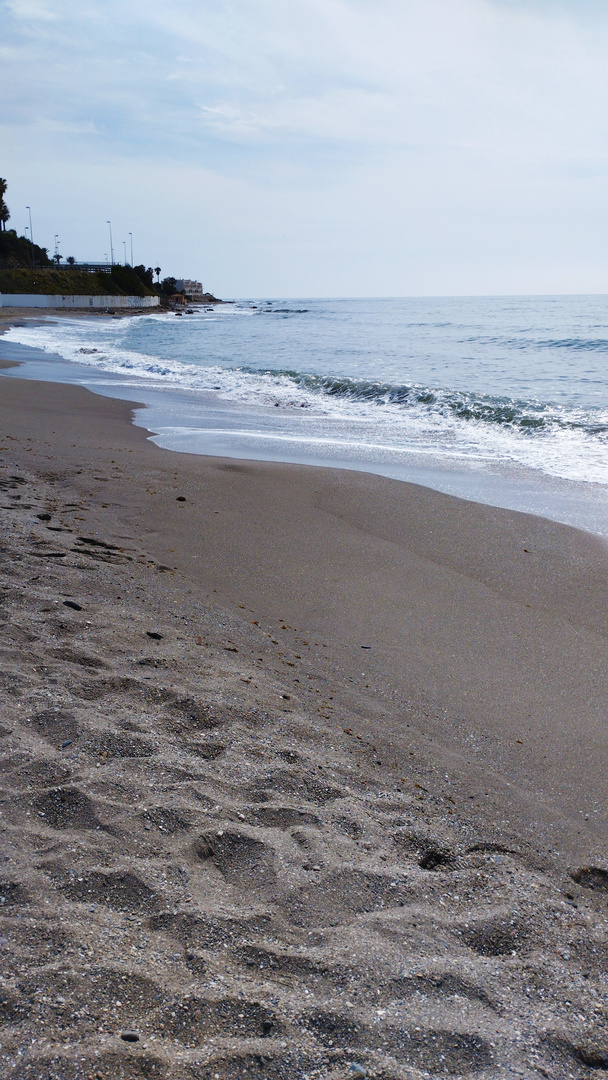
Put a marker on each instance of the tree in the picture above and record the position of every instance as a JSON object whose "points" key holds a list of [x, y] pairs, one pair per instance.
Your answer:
{"points": [[145, 275], [70, 260], [168, 286], [4, 210], [57, 259], [157, 272]]}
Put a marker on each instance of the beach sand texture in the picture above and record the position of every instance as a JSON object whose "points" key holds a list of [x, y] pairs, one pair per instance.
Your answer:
{"points": [[301, 768]]}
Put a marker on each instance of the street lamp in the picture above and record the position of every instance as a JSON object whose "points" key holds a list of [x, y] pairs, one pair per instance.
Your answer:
{"points": [[111, 244], [131, 235], [25, 232], [124, 244]]}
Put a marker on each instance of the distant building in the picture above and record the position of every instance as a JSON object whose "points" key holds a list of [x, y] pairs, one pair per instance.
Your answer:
{"points": [[192, 289], [92, 267]]}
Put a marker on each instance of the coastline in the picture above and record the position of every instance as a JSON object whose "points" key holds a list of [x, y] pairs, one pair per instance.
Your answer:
{"points": [[363, 685], [13, 315], [474, 615], [212, 425]]}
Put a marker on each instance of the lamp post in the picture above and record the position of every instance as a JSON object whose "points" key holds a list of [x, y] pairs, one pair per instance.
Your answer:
{"points": [[124, 244], [31, 235], [131, 235], [111, 244], [25, 232]]}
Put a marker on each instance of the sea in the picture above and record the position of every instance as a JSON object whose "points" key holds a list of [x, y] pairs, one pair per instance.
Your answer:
{"points": [[500, 400]]}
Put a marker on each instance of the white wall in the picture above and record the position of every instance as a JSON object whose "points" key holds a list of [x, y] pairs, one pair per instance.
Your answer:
{"points": [[38, 300]]}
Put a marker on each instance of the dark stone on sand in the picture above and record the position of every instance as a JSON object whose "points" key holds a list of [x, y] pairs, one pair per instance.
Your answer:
{"points": [[154, 635], [72, 604], [196, 963], [129, 1036]]}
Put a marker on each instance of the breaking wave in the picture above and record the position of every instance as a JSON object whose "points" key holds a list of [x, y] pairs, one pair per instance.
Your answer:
{"points": [[223, 361]]}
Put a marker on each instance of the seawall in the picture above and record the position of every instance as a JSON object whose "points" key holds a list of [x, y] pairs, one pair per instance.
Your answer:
{"points": [[43, 300]]}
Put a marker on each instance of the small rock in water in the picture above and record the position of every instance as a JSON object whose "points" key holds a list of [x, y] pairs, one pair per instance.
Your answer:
{"points": [[357, 1071], [129, 1036], [267, 1027]]}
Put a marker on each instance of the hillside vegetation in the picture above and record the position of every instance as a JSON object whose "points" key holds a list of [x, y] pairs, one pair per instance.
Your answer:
{"points": [[122, 281], [18, 251]]}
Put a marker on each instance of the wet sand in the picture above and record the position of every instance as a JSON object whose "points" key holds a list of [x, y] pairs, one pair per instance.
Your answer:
{"points": [[368, 746]]}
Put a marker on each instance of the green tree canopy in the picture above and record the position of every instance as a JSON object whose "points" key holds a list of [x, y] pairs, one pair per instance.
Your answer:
{"points": [[4, 210]]}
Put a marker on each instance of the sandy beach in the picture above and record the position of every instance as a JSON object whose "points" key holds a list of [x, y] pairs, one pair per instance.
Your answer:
{"points": [[301, 768]]}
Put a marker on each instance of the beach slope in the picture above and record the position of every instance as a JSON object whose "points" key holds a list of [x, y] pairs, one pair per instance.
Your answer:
{"points": [[301, 767]]}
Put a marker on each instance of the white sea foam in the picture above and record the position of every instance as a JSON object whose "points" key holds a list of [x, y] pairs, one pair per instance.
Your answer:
{"points": [[223, 356]]}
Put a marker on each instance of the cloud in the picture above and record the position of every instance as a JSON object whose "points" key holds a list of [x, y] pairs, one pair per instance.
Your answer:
{"points": [[461, 111], [469, 72], [30, 10]]}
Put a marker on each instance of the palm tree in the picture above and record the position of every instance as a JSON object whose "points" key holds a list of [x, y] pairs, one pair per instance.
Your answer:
{"points": [[71, 260], [4, 210]]}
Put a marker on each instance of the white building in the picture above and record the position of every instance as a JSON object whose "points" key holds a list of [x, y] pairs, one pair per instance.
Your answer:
{"points": [[193, 289]]}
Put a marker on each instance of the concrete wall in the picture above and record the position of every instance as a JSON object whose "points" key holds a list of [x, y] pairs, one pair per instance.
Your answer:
{"points": [[38, 300]]}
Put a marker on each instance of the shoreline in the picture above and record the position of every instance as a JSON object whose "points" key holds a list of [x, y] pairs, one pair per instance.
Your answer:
{"points": [[516, 487], [416, 551], [296, 760], [15, 315]]}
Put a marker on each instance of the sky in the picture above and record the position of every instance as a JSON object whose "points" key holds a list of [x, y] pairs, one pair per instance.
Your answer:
{"points": [[315, 147]]}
